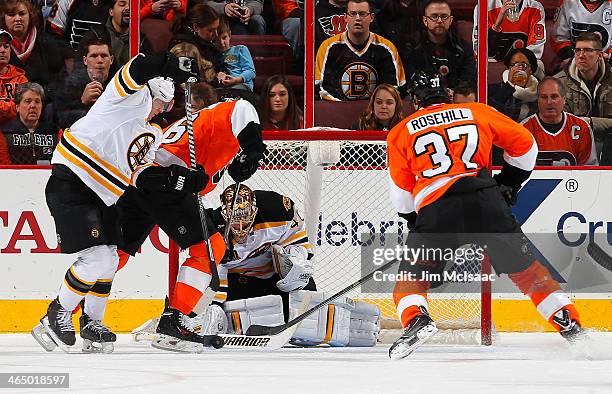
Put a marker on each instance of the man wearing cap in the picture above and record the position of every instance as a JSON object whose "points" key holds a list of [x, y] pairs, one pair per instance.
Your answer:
{"points": [[10, 76]]}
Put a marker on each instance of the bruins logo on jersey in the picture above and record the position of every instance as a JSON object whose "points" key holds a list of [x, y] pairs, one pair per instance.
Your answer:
{"points": [[287, 203], [138, 149], [358, 81]]}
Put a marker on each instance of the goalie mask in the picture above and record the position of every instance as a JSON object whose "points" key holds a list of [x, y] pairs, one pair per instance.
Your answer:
{"points": [[244, 209]]}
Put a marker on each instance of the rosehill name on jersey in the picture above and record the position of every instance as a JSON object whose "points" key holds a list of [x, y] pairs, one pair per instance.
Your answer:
{"points": [[439, 118]]}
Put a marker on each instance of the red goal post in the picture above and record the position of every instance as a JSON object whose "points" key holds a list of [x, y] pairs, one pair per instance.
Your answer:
{"points": [[339, 182]]}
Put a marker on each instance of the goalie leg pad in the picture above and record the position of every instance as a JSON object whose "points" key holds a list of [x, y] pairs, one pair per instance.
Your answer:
{"points": [[212, 322], [266, 311], [365, 325], [330, 324]]}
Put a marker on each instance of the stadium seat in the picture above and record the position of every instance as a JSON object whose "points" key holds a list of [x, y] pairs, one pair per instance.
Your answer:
{"points": [[157, 31], [339, 114]]}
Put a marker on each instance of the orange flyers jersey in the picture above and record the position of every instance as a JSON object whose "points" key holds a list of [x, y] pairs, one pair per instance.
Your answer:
{"points": [[529, 30], [574, 139], [215, 130], [431, 149]]}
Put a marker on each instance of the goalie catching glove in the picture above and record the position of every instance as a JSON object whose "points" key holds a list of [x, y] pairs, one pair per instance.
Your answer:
{"points": [[292, 265], [175, 177]]}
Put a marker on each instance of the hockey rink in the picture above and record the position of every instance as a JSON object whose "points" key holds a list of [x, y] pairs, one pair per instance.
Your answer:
{"points": [[517, 363]]}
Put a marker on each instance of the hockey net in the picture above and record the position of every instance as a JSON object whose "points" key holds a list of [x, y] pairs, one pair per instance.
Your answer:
{"points": [[339, 182]]}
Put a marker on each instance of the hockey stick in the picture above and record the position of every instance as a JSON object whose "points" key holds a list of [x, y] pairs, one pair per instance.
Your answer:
{"points": [[257, 330], [599, 255], [230, 341], [214, 281]]}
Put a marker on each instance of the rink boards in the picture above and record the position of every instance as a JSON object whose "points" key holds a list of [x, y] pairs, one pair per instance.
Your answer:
{"points": [[561, 202]]}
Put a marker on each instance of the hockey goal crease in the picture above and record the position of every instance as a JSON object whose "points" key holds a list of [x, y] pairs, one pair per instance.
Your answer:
{"points": [[339, 182]]}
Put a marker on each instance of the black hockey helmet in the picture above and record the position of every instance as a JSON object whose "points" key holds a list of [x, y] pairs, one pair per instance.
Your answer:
{"points": [[428, 88]]}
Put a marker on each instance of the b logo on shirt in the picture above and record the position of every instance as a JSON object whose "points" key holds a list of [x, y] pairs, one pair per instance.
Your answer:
{"points": [[138, 149], [358, 81]]}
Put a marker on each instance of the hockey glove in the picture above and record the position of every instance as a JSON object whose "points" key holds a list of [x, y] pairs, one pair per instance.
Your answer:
{"points": [[245, 165], [410, 219], [509, 193], [180, 69], [187, 179]]}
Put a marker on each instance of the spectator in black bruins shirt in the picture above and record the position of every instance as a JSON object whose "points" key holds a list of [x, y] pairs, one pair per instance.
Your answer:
{"points": [[350, 65]]}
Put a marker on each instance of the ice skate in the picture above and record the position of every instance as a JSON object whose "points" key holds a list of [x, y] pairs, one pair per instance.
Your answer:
{"points": [[97, 338], [174, 335], [55, 329], [420, 329]]}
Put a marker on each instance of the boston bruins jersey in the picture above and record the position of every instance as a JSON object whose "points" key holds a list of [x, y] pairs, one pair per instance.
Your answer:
{"points": [[277, 223], [578, 16], [436, 146], [528, 31], [109, 144], [570, 145], [215, 131], [343, 72]]}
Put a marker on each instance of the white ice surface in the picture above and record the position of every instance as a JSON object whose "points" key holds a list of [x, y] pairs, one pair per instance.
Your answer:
{"points": [[517, 363]]}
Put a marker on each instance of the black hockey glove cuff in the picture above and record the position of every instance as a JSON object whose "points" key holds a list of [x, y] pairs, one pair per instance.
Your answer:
{"points": [[187, 179], [510, 193], [180, 69], [566, 52], [245, 165], [216, 217], [410, 219], [511, 176], [153, 178], [250, 138]]}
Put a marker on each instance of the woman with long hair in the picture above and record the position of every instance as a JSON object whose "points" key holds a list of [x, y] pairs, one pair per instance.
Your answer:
{"points": [[384, 110], [32, 49], [277, 106], [198, 27]]}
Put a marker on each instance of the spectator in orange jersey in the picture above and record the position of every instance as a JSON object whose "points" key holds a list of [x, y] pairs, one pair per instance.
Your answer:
{"points": [[562, 138], [10, 76], [277, 108], [162, 9], [291, 14], [513, 24]]}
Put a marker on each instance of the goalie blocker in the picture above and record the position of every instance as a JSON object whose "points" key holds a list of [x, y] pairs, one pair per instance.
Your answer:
{"points": [[345, 322]]}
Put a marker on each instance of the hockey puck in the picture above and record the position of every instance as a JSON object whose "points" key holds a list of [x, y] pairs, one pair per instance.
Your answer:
{"points": [[217, 342]]}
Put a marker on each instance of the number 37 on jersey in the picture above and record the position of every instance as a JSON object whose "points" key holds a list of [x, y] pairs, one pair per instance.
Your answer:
{"points": [[435, 146]]}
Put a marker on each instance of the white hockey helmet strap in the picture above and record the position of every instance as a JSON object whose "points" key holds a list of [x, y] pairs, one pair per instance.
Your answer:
{"points": [[245, 211], [162, 89]]}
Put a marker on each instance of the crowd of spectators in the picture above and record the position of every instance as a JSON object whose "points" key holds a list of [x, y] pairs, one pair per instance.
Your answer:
{"points": [[56, 59]]}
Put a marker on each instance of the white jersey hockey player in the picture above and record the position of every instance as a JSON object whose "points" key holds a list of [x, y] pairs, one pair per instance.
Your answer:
{"points": [[92, 166], [267, 268], [579, 16]]}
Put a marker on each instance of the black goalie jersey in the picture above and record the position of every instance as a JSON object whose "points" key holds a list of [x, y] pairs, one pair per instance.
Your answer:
{"points": [[277, 223], [343, 72]]}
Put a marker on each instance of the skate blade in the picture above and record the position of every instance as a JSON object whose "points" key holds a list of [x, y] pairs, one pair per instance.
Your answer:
{"points": [[402, 349], [166, 342], [43, 338], [65, 348], [97, 347], [146, 331]]}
